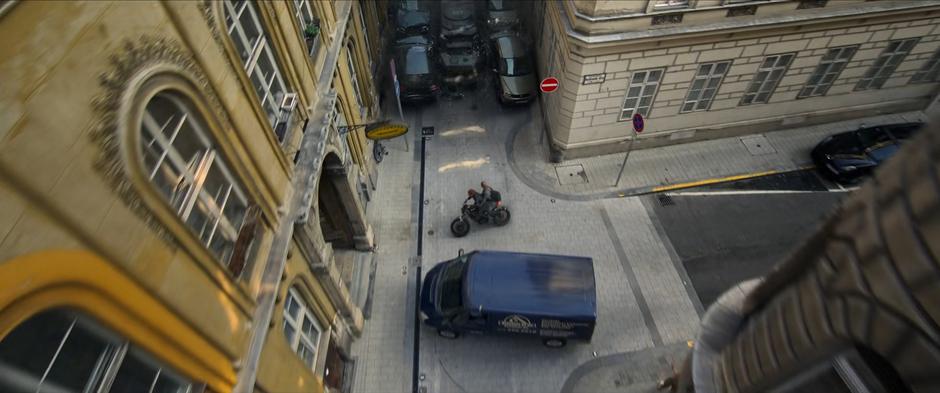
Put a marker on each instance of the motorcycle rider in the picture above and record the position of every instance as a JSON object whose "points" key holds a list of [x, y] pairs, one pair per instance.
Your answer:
{"points": [[488, 203]]}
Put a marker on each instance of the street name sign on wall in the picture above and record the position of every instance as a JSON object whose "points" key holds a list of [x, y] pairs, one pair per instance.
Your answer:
{"points": [[592, 79], [385, 131]]}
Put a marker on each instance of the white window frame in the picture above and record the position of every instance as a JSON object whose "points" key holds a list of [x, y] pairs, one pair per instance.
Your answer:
{"points": [[885, 64], [365, 30], [300, 342], [268, 83], [930, 71], [769, 74], [111, 360], [644, 89], [306, 16], [189, 175], [659, 5], [706, 92], [353, 75], [830, 66]]}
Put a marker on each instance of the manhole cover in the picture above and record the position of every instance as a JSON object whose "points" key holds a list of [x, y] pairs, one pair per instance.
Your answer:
{"points": [[571, 174], [757, 145]]}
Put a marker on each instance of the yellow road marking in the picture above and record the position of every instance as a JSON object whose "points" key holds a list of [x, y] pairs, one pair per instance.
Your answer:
{"points": [[725, 179]]}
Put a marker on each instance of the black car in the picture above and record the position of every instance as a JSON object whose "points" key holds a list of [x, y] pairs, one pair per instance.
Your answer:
{"points": [[501, 15], [458, 20], [416, 68], [847, 157], [413, 17]]}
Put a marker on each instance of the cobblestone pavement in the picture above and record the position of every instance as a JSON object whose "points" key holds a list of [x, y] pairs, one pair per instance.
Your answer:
{"points": [[644, 298], [383, 353], [641, 297], [648, 168]]}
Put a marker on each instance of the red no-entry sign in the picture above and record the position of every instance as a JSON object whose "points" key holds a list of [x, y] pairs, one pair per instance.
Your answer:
{"points": [[548, 85]]}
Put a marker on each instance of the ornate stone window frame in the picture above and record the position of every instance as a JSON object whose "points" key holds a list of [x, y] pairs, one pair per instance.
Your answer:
{"points": [[141, 89]]}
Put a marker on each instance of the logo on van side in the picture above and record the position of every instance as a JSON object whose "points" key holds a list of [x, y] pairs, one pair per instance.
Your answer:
{"points": [[516, 322]]}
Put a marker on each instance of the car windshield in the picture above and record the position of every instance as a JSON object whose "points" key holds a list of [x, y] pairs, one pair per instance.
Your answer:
{"points": [[872, 136], [883, 151], [409, 5], [451, 287], [416, 61], [515, 66], [500, 5]]}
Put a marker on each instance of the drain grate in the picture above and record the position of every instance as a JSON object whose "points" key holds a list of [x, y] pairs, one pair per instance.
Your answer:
{"points": [[666, 200]]}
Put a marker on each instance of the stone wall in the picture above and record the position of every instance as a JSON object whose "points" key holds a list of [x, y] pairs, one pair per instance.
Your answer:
{"points": [[595, 108]]}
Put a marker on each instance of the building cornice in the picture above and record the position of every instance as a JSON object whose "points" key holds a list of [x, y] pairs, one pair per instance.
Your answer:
{"points": [[818, 15], [678, 9]]}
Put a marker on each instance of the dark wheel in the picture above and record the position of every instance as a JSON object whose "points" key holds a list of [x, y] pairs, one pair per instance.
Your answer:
{"points": [[447, 333], [554, 342], [501, 217], [459, 227], [378, 152]]}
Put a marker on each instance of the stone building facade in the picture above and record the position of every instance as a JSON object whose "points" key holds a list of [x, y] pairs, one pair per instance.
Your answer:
{"points": [[702, 69], [175, 187]]}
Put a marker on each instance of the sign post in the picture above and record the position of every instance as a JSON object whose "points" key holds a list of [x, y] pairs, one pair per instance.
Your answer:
{"points": [[638, 125], [397, 86]]}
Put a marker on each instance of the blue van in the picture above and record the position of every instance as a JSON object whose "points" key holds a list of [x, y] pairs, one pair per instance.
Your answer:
{"points": [[551, 297]]}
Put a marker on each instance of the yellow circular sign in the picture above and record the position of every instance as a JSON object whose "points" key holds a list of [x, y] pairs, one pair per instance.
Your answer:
{"points": [[386, 131]]}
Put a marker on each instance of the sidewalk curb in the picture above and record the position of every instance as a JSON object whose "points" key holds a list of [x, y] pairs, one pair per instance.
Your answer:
{"points": [[626, 192]]}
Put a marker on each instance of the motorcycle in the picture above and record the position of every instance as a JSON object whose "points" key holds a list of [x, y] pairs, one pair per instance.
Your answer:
{"points": [[460, 227]]}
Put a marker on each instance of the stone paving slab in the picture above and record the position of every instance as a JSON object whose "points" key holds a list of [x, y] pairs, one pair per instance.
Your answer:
{"points": [[662, 166], [470, 147], [382, 354]]}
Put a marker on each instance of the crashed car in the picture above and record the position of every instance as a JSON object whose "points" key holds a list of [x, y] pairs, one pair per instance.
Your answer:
{"points": [[501, 15], [458, 20], [462, 61]]}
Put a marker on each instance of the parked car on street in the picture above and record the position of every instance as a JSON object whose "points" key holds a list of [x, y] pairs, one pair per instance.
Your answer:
{"points": [[552, 297], [463, 61], [849, 156], [458, 19], [416, 68], [413, 17], [515, 73], [501, 15]]}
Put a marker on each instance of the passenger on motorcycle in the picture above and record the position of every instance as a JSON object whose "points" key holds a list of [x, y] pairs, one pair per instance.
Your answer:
{"points": [[489, 203]]}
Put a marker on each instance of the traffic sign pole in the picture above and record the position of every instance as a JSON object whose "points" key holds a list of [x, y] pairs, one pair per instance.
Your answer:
{"points": [[638, 125], [397, 87]]}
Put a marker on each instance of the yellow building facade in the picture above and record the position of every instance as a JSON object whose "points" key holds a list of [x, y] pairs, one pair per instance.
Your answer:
{"points": [[175, 182]]}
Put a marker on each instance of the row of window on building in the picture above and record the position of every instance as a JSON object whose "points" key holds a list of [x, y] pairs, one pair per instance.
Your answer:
{"points": [[704, 86]]}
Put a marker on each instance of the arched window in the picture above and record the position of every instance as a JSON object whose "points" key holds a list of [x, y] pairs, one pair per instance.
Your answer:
{"points": [[301, 328], [61, 351], [184, 165]]}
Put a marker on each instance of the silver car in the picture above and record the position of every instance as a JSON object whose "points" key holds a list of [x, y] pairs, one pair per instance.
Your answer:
{"points": [[515, 73]]}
